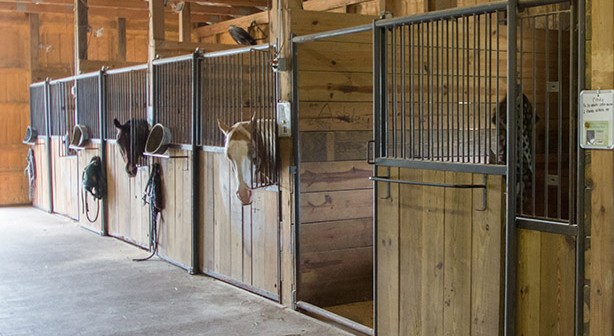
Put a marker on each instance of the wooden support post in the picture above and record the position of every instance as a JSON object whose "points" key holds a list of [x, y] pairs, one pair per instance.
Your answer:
{"points": [[81, 29], [121, 39], [601, 266], [34, 42], [280, 30], [185, 24], [156, 25]]}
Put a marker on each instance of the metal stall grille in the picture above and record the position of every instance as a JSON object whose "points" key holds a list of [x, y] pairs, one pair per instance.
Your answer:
{"points": [[240, 85], [547, 161], [172, 98], [126, 95], [62, 115], [443, 86], [37, 108], [126, 99], [88, 95], [444, 79]]}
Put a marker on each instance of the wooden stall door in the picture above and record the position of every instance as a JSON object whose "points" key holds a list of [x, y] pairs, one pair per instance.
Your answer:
{"points": [[40, 196], [65, 179], [128, 216], [175, 224], [88, 205], [440, 266], [240, 243]]}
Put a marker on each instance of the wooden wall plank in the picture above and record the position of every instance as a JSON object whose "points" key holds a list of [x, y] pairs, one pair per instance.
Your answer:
{"points": [[326, 236], [601, 174], [432, 255], [486, 258], [336, 205], [388, 286], [338, 175], [411, 224], [457, 283]]}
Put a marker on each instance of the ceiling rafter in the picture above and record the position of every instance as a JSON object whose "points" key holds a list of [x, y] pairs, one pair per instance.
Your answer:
{"points": [[130, 9]]}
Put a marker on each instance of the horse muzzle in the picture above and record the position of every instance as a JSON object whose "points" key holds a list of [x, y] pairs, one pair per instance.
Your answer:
{"points": [[245, 196]]}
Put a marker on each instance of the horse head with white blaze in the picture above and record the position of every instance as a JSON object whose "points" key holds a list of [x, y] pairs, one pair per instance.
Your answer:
{"points": [[243, 147]]}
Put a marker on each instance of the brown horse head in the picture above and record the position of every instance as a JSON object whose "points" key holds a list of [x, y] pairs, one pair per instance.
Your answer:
{"points": [[242, 147], [131, 138]]}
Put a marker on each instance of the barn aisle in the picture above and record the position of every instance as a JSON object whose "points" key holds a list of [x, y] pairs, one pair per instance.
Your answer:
{"points": [[59, 279]]}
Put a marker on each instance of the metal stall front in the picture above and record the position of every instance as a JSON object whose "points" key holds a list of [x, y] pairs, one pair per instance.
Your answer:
{"points": [[476, 192], [241, 243]]}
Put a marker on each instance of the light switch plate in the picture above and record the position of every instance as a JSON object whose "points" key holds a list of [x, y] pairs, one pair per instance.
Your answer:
{"points": [[284, 119]]}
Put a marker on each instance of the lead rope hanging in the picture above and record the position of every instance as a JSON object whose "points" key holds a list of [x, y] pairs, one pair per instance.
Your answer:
{"points": [[153, 196]]}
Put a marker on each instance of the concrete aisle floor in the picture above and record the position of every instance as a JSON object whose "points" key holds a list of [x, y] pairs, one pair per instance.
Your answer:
{"points": [[59, 279]]}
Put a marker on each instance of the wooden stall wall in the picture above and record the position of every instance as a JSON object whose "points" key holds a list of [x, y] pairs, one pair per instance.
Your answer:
{"points": [[66, 180], [175, 224], [93, 206], [546, 271], [440, 260], [14, 103], [335, 123], [239, 243], [600, 178], [128, 216], [41, 184]]}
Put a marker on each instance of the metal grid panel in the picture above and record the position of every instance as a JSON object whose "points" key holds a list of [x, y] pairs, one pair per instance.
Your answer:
{"points": [[442, 86], [88, 96], [62, 112], [126, 95], [37, 108], [242, 86], [172, 98], [547, 150]]}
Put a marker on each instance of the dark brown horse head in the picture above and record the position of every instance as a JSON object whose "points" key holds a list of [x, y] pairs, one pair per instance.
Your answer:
{"points": [[131, 138]]}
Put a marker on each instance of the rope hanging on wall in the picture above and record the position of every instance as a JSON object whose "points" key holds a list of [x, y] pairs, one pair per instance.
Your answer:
{"points": [[153, 196], [31, 172]]}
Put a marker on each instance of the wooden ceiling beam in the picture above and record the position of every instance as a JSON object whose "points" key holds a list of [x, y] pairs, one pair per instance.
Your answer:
{"points": [[222, 27], [227, 3], [234, 11], [324, 5]]}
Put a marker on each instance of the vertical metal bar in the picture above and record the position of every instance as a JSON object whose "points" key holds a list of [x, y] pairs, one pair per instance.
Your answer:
{"points": [[480, 157], [498, 107], [476, 74], [195, 111], [102, 112], [448, 92], [560, 118], [379, 67], [520, 118], [580, 261], [403, 50], [429, 89], [489, 77], [534, 119], [468, 101], [457, 83], [421, 88], [440, 91], [511, 234], [412, 110], [297, 157], [48, 123], [547, 117], [394, 102]]}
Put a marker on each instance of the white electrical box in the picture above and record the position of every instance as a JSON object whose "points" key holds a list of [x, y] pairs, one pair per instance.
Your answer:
{"points": [[284, 119], [596, 119]]}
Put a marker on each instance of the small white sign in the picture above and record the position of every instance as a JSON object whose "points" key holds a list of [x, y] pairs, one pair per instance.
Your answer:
{"points": [[597, 119], [284, 119]]}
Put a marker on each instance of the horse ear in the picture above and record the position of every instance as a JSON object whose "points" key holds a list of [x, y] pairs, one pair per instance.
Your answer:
{"points": [[253, 121], [223, 127], [117, 123]]}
